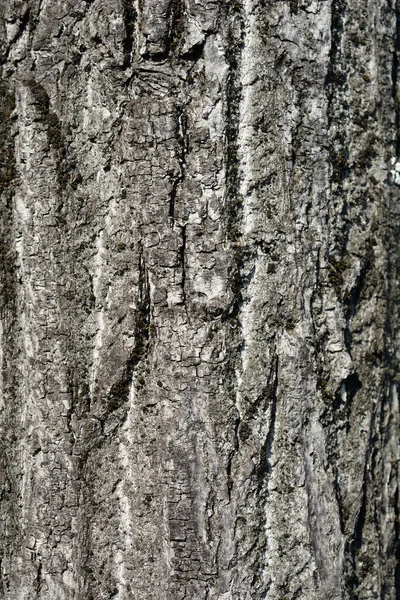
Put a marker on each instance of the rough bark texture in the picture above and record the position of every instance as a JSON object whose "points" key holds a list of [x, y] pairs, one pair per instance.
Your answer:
{"points": [[199, 283]]}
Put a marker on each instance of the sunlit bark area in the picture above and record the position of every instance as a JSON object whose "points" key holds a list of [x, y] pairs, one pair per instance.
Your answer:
{"points": [[199, 296]]}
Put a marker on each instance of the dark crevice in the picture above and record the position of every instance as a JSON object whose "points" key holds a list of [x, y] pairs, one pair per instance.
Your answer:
{"points": [[130, 19], [232, 454], [3, 583], [181, 137], [344, 397], [391, 336], [395, 71], [294, 7], [172, 199], [65, 167], [9, 285], [177, 20], [356, 543], [265, 467], [351, 300], [395, 67], [240, 275], [38, 581], [297, 129], [388, 428], [261, 473], [234, 47], [340, 412], [316, 292], [23, 24], [29, 20], [338, 9], [182, 255], [339, 501], [174, 38], [397, 537], [352, 385], [7, 152], [195, 53], [119, 392], [391, 362], [8, 255], [155, 57], [336, 82], [353, 547], [234, 204], [233, 207], [335, 77]]}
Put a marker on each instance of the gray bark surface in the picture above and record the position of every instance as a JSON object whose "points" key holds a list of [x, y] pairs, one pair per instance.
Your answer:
{"points": [[199, 295]]}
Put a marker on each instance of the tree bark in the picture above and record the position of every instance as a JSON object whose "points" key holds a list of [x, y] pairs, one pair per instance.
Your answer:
{"points": [[199, 299]]}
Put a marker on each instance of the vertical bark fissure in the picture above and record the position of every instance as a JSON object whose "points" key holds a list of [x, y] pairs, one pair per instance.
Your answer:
{"points": [[265, 468], [65, 165], [335, 77], [352, 299], [231, 454], [177, 19], [23, 24], [395, 76], [234, 46], [9, 326], [38, 581], [182, 256], [232, 210], [181, 138], [119, 392], [391, 326], [397, 534], [130, 20], [336, 83], [357, 537], [264, 472], [233, 201]]}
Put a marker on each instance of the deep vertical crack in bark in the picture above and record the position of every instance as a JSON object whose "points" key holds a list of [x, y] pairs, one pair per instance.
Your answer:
{"points": [[130, 21], [119, 392]]}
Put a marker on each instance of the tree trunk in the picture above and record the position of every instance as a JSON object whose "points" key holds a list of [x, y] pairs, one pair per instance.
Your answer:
{"points": [[199, 299]]}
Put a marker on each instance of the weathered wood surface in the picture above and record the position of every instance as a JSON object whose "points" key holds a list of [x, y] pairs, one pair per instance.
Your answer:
{"points": [[200, 255]]}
